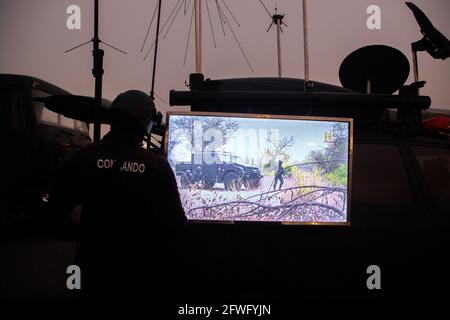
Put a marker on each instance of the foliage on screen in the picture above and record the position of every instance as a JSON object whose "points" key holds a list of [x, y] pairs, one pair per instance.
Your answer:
{"points": [[231, 168]]}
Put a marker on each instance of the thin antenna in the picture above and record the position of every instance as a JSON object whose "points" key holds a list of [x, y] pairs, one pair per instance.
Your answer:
{"points": [[268, 12], [222, 22], [277, 19], [189, 36], [149, 26], [186, 6], [112, 47], [196, 13], [97, 70], [229, 10], [78, 46], [159, 97], [173, 19], [152, 92], [164, 25], [210, 24], [237, 41]]}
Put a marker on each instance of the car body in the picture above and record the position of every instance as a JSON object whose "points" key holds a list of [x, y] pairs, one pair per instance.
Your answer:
{"points": [[34, 142], [399, 208], [220, 167]]}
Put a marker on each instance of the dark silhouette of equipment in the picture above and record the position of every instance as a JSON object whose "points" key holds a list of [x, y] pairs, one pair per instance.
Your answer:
{"points": [[34, 142], [286, 96], [434, 42], [374, 69]]}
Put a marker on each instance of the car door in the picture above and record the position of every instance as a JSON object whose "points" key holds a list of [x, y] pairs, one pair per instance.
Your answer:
{"points": [[15, 144]]}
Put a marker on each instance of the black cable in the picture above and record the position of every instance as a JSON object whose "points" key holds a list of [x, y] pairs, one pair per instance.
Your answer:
{"points": [[152, 92], [106, 44], [187, 4], [189, 35], [268, 12], [173, 19], [231, 13], [76, 47], [148, 30], [220, 17], [164, 25], [237, 41], [210, 23]]}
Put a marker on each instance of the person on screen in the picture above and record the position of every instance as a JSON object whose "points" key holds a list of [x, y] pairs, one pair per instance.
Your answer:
{"points": [[130, 207], [279, 174]]}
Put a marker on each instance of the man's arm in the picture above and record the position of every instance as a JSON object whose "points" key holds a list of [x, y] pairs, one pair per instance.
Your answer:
{"points": [[171, 201]]}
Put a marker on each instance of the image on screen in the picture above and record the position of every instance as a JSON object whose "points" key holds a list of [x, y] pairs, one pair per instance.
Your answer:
{"points": [[254, 168]]}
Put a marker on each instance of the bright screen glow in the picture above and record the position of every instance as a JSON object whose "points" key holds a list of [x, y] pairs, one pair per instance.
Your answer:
{"points": [[252, 168]]}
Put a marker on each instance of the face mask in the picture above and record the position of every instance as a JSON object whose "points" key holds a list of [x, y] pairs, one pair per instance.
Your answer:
{"points": [[150, 126]]}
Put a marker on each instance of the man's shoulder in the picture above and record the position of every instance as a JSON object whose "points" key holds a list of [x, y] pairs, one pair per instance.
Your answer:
{"points": [[85, 151], [151, 156]]}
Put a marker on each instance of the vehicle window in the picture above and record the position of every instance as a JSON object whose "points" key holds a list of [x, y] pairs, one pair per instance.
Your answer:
{"points": [[46, 116], [379, 176], [435, 164]]}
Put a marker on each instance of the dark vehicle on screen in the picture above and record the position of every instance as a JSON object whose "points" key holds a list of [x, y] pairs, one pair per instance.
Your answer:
{"points": [[230, 170]]}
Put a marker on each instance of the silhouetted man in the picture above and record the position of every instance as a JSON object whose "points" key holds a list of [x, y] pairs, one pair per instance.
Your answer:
{"points": [[279, 175], [130, 207]]}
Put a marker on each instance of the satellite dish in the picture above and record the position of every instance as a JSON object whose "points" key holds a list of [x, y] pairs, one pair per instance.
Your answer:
{"points": [[374, 69]]}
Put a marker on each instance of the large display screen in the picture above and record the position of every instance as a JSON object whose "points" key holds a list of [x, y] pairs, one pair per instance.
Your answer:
{"points": [[244, 167]]}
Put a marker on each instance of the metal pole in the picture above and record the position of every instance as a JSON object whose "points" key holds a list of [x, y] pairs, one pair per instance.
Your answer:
{"points": [[97, 71], [279, 47], [152, 92], [415, 67], [305, 40], [198, 36], [155, 56], [200, 33]]}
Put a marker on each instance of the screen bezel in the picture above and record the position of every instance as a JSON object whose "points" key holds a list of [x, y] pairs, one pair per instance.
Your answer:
{"points": [[273, 116]]}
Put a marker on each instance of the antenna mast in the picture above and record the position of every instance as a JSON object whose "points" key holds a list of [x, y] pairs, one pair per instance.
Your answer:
{"points": [[198, 36], [97, 70], [277, 19], [152, 91], [308, 85]]}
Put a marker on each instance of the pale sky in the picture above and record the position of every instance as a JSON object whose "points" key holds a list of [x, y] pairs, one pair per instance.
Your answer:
{"points": [[250, 139], [34, 36]]}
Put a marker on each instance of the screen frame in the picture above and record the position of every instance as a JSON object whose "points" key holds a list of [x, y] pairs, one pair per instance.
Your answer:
{"points": [[273, 116]]}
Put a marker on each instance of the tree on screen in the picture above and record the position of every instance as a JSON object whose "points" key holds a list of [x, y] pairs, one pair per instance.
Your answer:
{"points": [[276, 149], [192, 127]]}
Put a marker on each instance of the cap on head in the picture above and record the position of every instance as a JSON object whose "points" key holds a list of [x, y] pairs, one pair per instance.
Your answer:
{"points": [[139, 105]]}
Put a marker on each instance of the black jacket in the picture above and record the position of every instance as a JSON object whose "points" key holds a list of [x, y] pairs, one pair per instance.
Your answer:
{"points": [[130, 212]]}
